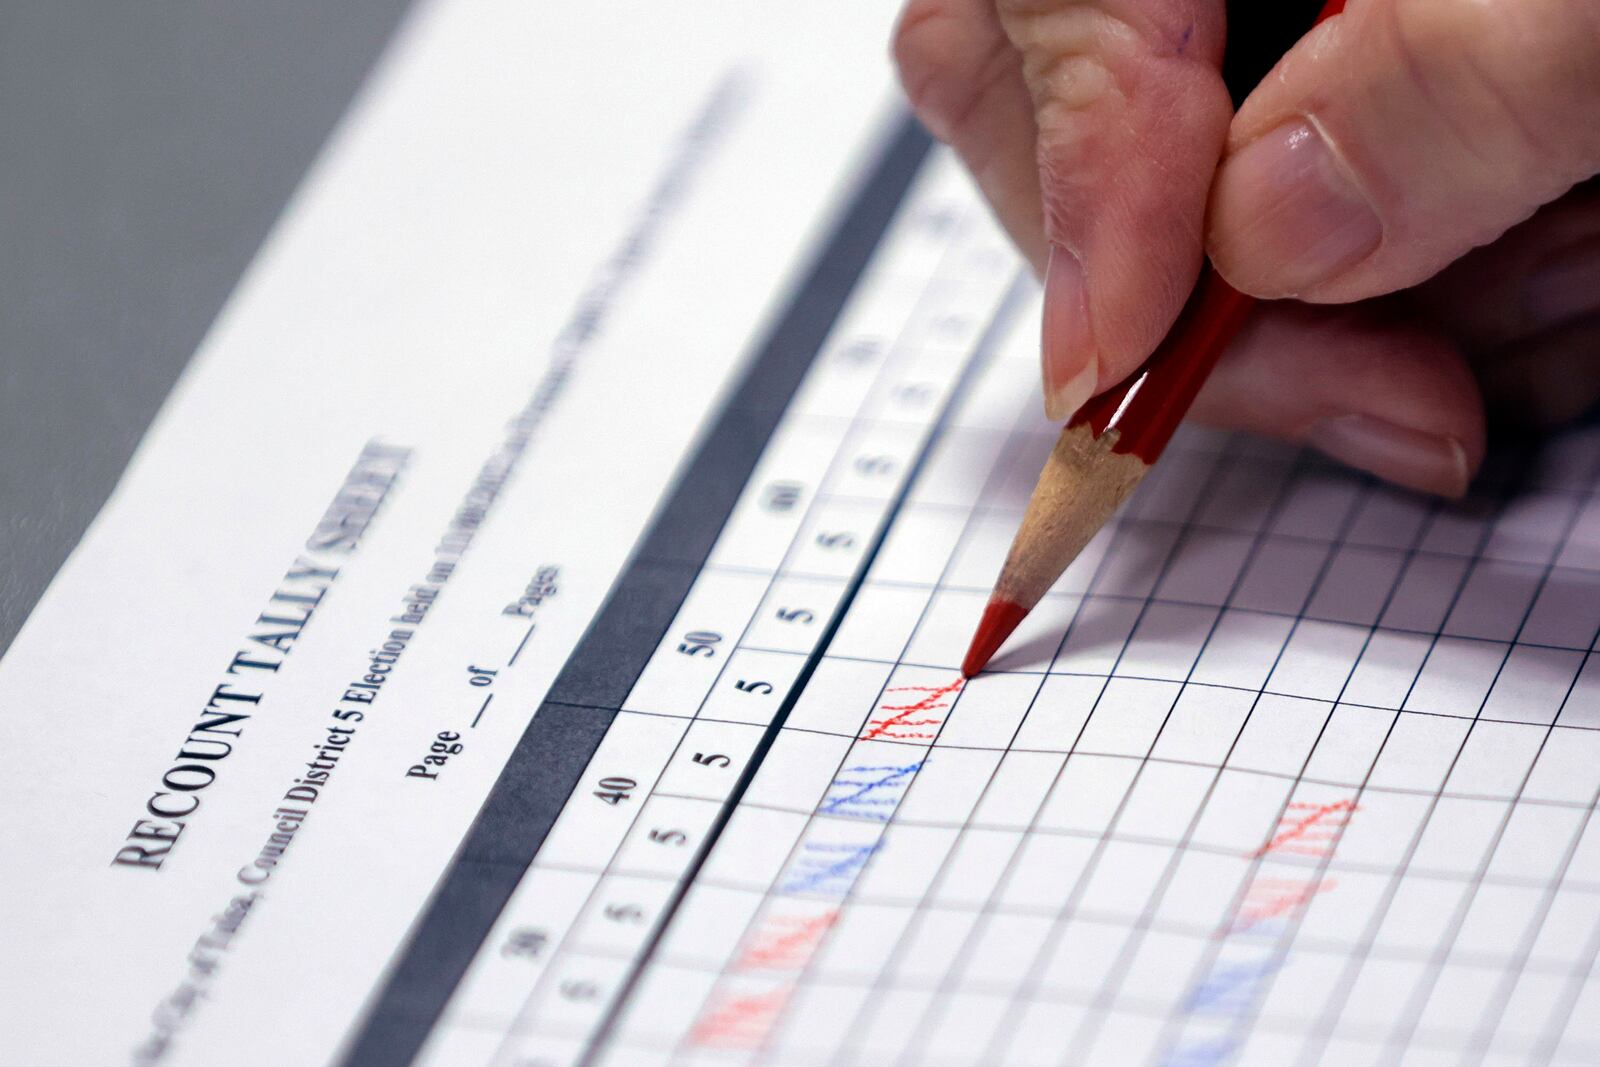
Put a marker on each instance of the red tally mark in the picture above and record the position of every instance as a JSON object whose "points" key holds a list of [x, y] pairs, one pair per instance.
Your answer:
{"points": [[742, 1022], [1270, 898], [786, 942], [903, 724], [1308, 829]]}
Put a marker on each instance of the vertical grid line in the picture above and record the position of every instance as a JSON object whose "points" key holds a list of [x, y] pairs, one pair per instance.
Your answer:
{"points": [[1041, 957], [1327, 1024], [1104, 1003], [1176, 1019], [1411, 1015]]}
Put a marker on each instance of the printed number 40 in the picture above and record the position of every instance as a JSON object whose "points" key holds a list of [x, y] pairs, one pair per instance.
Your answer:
{"points": [[615, 790]]}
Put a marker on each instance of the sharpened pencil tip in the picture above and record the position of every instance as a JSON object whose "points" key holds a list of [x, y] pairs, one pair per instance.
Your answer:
{"points": [[1000, 618]]}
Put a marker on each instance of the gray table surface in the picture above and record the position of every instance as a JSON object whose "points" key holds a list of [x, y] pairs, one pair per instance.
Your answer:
{"points": [[145, 151]]}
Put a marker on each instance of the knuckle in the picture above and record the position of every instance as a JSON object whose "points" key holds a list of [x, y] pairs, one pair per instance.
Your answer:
{"points": [[952, 68], [1074, 54], [1111, 79], [1080, 53], [915, 44], [960, 73], [923, 43], [1065, 84], [1500, 75], [1163, 27]]}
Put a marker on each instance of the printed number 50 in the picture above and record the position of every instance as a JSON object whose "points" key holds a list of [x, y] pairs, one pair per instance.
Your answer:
{"points": [[699, 643]]}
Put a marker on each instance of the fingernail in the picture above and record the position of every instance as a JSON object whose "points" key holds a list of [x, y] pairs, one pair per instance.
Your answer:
{"points": [[1565, 286], [1066, 346], [1425, 461], [1291, 213]]}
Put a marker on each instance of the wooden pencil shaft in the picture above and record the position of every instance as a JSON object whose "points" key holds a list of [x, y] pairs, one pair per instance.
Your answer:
{"points": [[1083, 482]]}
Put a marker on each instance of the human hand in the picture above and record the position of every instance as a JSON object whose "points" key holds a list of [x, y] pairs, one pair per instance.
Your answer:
{"points": [[1413, 173]]}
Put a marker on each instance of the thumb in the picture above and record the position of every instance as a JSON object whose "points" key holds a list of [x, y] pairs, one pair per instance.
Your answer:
{"points": [[1394, 138]]}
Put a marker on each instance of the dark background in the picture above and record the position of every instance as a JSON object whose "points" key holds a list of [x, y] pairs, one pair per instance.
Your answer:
{"points": [[1259, 31], [145, 150]]}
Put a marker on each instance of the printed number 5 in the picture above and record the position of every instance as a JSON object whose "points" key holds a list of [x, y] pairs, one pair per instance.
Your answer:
{"points": [[579, 989]]}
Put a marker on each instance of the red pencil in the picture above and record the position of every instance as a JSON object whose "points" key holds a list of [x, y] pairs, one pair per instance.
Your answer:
{"points": [[1106, 449]]}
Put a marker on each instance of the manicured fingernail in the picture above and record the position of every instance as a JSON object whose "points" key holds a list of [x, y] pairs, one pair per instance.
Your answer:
{"points": [[1066, 348], [1566, 285], [1425, 461], [1290, 216]]}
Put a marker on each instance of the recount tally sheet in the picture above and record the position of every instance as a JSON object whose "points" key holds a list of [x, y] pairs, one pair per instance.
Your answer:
{"points": [[529, 637]]}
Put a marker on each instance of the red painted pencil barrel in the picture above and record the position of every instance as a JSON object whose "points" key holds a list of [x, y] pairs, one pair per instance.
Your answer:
{"points": [[1146, 408]]}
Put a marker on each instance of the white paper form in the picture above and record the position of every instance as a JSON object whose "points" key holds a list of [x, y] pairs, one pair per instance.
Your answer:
{"points": [[387, 499], [1290, 767]]}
